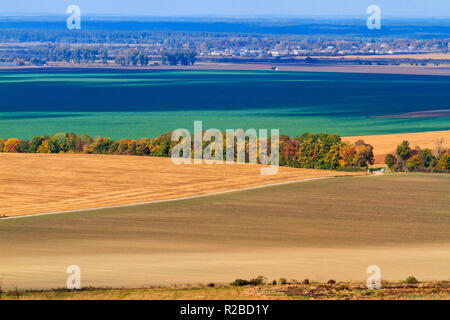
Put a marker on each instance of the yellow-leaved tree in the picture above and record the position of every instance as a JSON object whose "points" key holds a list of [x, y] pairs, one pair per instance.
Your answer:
{"points": [[44, 147]]}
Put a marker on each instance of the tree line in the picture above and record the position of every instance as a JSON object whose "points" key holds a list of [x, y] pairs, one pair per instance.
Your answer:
{"points": [[324, 151], [41, 55], [317, 151], [406, 158], [182, 57]]}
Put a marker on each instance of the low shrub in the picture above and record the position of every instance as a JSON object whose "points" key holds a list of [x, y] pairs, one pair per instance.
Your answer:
{"points": [[253, 282], [257, 281], [239, 283], [351, 169], [411, 280]]}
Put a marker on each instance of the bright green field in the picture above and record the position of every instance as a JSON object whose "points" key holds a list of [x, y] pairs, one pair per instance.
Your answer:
{"points": [[136, 104]]}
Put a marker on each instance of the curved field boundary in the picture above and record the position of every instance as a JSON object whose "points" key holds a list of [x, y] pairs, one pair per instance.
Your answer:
{"points": [[167, 200], [39, 183]]}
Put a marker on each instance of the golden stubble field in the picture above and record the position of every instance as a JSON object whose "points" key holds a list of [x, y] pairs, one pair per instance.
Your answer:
{"points": [[384, 144], [38, 183]]}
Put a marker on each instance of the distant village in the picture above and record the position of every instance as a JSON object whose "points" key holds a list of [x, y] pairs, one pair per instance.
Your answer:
{"points": [[288, 48], [152, 48]]}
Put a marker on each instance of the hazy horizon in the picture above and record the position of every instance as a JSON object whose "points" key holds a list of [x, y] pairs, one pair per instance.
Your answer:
{"points": [[216, 16], [232, 8]]}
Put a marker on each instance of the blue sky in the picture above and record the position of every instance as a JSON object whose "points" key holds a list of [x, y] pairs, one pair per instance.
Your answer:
{"points": [[390, 8]]}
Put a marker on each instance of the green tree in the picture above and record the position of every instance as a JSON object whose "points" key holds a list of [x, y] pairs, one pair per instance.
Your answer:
{"points": [[444, 162], [313, 150], [23, 147], [331, 159], [143, 147], [72, 142], [35, 143], [100, 146], [143, 59], [414, 163], [426, 157], [133, 57], [404, 152], [86, 139], [192, 57], [390, 160], [105, 56], [58, 143]]}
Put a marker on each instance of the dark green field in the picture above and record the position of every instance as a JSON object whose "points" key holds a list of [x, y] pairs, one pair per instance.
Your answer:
{"points": [[135, 104]]}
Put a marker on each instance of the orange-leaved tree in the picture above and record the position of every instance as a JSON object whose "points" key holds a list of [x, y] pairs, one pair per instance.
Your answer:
{"points": [[11, 145]]}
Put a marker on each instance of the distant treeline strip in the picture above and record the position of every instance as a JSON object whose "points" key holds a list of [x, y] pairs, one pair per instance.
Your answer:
{"points": [[316, 151], [423, 160]]}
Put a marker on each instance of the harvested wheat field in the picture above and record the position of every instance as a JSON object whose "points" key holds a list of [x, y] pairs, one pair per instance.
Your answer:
{"points": [[384, 144], [322, 229], [38, 183]]}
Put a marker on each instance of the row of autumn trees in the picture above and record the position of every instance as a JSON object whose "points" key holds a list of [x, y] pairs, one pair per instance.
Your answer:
{"points": [[318, 151], [324, 151], [72, 143], [406, 158]]}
